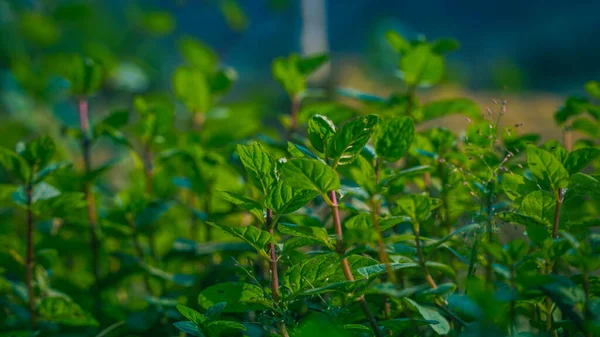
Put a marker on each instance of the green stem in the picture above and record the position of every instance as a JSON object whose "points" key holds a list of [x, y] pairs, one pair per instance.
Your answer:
{"points": [[586, 289], [197, 122], [548, 303], [475, 248], [194, 219], [148, 175], [556, 223], [445, 213], [90, 198], [208, 210], [140, 252], [512, 310], [548, 314], [383, 255], [421, 259], [274, 273], [489, 229], [30, 257], [375, 211], [473, 257], [346, 266], [111, 328]]}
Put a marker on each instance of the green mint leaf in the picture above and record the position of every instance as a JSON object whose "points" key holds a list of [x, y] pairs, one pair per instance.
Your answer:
{"points": [[393, 137], [350, 139], [305, 173], [547, 168], [240, 297], [320, 130], [259, 164]]}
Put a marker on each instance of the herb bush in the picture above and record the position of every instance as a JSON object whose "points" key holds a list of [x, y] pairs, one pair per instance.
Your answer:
{"points": [[341, 219]]}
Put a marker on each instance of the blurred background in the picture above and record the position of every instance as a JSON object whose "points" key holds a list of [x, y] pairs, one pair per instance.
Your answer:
{"points": [[531, 53]]}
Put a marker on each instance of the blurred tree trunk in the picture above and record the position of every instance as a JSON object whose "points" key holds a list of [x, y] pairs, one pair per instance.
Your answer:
{"points": [[313, 38]]}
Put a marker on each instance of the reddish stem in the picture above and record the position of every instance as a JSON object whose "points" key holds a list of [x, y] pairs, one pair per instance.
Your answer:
{"points": [[568, 139], [83, 115], [30, 258], [346, 266], [147, 157], [427, 180], [559, 201], [295, 108], [197, 121], [90, 197]]}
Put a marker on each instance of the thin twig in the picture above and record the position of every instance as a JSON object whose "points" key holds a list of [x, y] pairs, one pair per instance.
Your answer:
{"points": [[140, 253], [421, 259], [559, 201], [512, 310], [294, 111], [346, 266], [90, 198], [375, 211], [274, 273], [30, 257], [111, 328]]}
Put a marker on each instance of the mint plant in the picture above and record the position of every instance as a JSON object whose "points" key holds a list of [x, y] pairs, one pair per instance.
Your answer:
{"points": [[31, 166], [85, 78], [292, 73], [188, 212]]}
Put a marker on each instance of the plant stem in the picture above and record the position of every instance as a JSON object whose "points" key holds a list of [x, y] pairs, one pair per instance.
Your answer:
{"points": [[147, 158], [548, 303], [274, 272], [586, 289], [548, 314], [512, 311], [197, 122], [148, 174], [427, 180], [208, 210], [194, 219], [568, 138], [375, 211], [410, 99], [559, 201], [111, 328], [346, 266], [90, 197], [421, 259], [383, 256], [473, 257], [490, 229], [475, 248], [30, 257], [555, 225], [140, 252], [294, 110], [445, 213]]}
